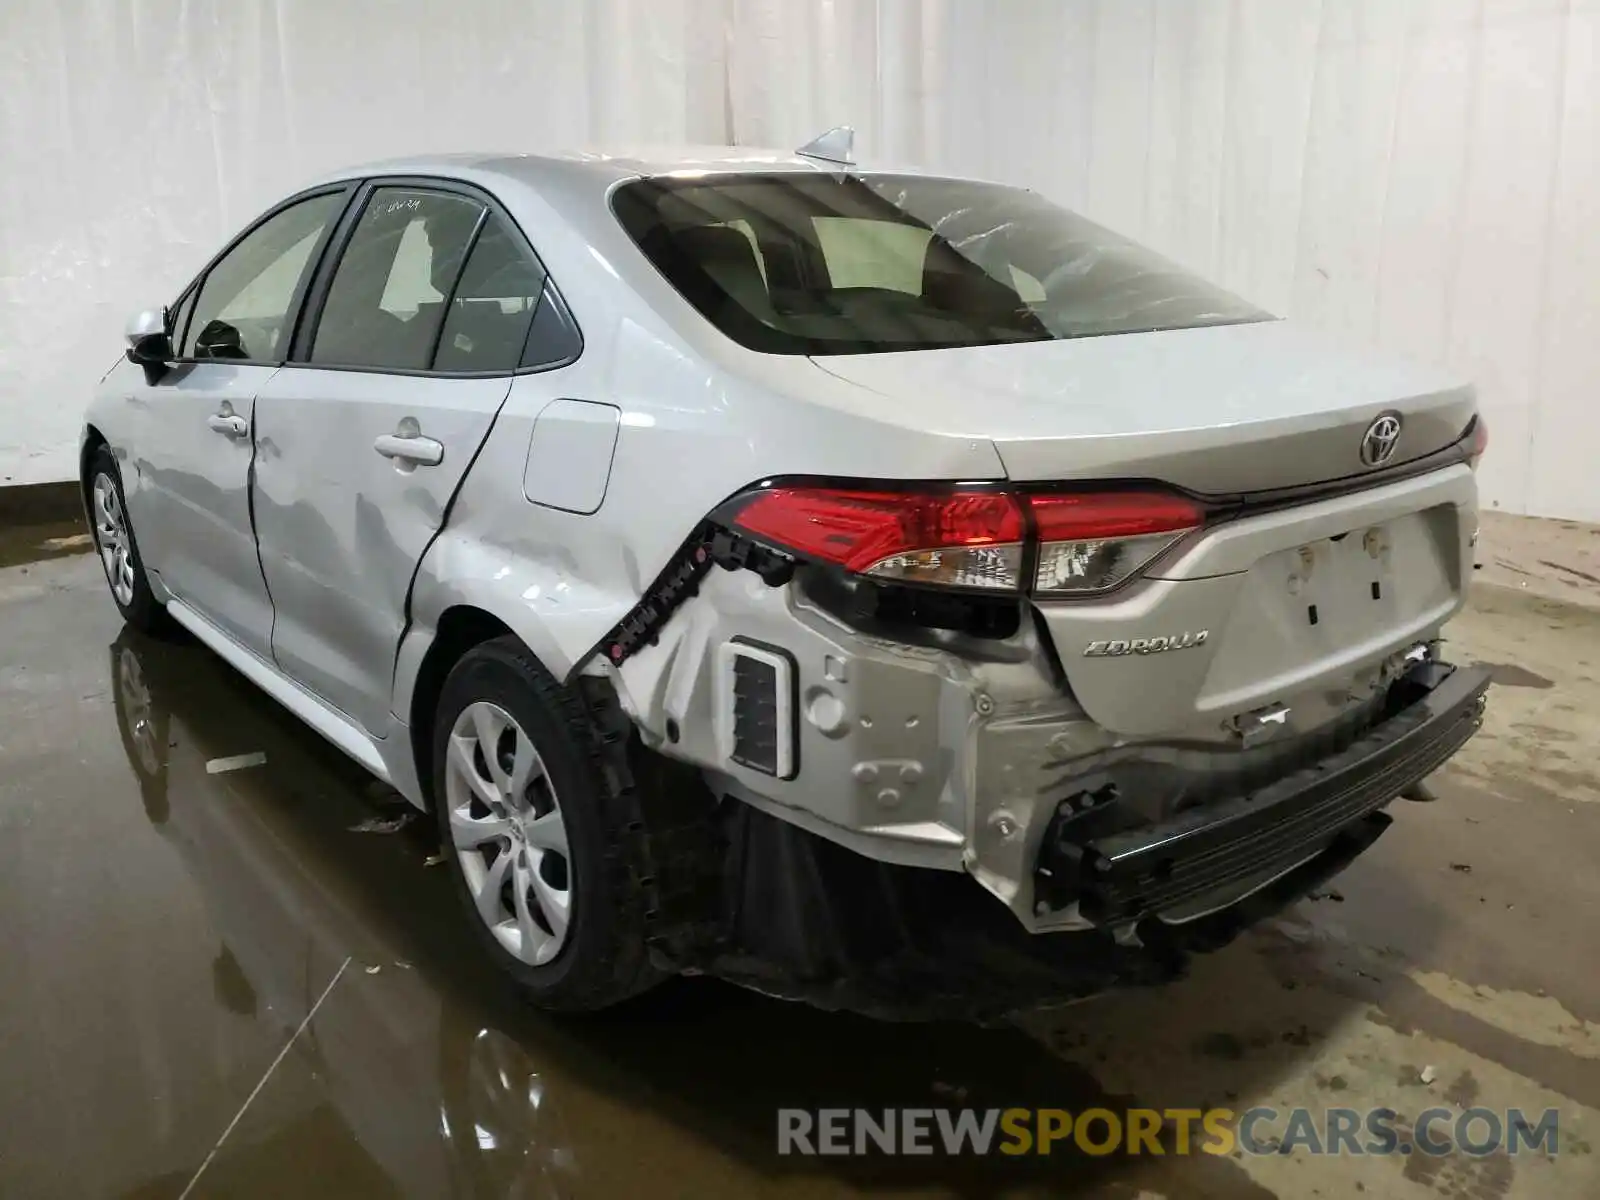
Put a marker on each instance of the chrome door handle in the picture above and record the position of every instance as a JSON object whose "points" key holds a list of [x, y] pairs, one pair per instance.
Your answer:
{"points": [[235, 427], [423, 451]]}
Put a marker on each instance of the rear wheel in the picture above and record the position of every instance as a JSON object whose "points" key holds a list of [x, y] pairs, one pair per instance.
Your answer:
{"points": [[537, 833], [118, 550]]}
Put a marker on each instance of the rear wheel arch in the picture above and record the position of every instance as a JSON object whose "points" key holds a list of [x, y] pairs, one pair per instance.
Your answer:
{"points": [[577, 778], [459, 630]]}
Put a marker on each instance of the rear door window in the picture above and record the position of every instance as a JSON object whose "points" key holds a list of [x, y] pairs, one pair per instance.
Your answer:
{"points": [[386, 303], [493, 306]]}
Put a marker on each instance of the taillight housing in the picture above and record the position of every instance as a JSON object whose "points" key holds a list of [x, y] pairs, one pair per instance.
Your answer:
{"points": [[1051, 544], [956, 538], [1094, 541], [1480, 440]]}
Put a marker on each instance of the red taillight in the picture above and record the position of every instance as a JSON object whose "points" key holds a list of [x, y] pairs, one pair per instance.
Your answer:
{"points": [[956, 538], [1100, 515], [1093, 541], [1088, 542], [1480, 440]]}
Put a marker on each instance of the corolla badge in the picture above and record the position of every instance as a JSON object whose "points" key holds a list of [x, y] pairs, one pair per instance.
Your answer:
{"points": [[1116, 648], [1380, 439]]}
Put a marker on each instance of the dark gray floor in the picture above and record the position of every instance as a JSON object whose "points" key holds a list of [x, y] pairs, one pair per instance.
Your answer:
{"points": [[165, 934]]}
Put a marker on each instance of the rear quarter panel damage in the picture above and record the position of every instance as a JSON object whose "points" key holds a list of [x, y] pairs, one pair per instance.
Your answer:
{"points": [[689, 434]]}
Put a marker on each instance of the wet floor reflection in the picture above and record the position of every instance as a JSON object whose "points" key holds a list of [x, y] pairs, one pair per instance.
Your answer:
{"points": [[422, 1074]]}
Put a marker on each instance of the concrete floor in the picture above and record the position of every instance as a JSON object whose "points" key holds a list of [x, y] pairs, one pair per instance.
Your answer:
{"points": [[220, 974]]}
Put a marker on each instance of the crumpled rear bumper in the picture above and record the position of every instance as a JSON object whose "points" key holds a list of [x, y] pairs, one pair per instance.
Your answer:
{"points": [[808, 920], [1125, 876], [848, 881], [984, 765], [812, 921]]}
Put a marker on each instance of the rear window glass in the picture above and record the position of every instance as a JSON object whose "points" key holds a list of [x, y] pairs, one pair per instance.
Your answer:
{"points": [[851, 264], [493, 304]]}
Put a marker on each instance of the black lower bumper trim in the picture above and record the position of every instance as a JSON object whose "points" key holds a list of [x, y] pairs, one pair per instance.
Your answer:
{"points": [[1131, 875]]}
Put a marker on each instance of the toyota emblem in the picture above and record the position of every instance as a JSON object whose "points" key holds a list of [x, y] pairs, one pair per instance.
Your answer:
{"points": [[1380, 439]]}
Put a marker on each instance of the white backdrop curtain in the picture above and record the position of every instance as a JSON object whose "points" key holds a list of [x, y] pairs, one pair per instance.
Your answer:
{"points": [[1422, 175]]}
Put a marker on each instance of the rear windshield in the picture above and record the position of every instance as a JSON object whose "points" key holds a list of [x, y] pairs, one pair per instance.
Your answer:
{"points": [[848, 264]]}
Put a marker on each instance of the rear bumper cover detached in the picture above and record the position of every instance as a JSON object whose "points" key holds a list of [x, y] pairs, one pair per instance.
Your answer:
{"points": [[804, 918], [1246, 841]]}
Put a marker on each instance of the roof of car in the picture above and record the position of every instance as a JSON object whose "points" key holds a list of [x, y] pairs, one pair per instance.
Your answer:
{"points": [[607, 163]]}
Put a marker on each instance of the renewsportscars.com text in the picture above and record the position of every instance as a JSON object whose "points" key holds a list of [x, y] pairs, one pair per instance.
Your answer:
{"points": [[1173, 1131]]}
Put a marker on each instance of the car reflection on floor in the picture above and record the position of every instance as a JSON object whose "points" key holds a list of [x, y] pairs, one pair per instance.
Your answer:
{"points": [[423, 1074], [433, 1103]]}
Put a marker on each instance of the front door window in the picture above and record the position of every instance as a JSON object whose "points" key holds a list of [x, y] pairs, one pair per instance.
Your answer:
{"points": [[246, 303]]}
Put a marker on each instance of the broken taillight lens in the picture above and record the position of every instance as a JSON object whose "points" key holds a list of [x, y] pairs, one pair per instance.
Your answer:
{"points": [[1480, 440], [1087, 542]]}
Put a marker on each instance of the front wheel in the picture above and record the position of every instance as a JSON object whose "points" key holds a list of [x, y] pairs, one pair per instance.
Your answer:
{"points": [[539, 837], [117, 548]]}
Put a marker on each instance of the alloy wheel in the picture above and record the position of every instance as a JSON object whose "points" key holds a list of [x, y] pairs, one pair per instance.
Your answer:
{"points": [[508, 831], [112, 540]]}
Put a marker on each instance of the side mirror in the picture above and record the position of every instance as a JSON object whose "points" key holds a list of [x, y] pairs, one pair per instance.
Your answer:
{"points": [[149, 344], [218, 339]]}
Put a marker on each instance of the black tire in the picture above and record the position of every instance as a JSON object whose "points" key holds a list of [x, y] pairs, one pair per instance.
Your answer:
{"points": [[604, 958], [141, 610]]}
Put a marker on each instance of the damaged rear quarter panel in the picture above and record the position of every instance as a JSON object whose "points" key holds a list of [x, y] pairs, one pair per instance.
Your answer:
{"points": [[689, 436], [916, 755]]}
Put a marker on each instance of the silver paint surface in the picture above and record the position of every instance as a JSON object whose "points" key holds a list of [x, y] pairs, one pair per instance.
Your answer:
{"points": [[367, 545]]}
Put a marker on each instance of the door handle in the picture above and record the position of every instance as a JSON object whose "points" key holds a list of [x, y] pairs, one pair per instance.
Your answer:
{"points": [[423, 451], [232, 426]]}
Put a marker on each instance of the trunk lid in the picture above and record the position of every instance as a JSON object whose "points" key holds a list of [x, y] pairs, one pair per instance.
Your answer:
{"points": [[1296, 607], [1291, 608], [1219, 410]]}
